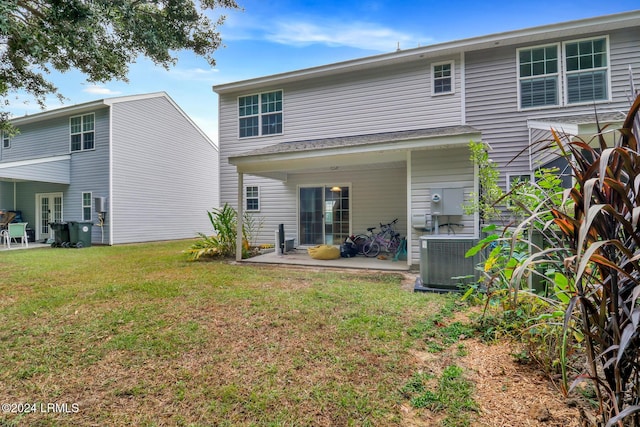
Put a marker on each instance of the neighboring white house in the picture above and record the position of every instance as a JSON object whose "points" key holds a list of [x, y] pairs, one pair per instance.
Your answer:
{"points": [[331, 150], [140, 159]]}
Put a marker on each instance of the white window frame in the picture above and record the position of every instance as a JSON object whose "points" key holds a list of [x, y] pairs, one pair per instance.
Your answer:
{"points": [[451, 77], [607, 69], [519, 175], [557, 75], [82, 132], [563, 86], [84, 206], [253, 197], [260, 115], [6, 140]]}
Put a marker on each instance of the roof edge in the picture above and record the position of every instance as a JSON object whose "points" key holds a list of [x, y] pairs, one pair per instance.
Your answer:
{"points": [[618, 20]]}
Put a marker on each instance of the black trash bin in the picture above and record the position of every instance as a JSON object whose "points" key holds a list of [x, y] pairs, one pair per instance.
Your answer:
{"points": [[60, 233], [80, 233]]}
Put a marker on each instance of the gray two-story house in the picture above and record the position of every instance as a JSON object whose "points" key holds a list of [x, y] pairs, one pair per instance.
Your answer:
{"points": [[137, 167], [331, 150]]}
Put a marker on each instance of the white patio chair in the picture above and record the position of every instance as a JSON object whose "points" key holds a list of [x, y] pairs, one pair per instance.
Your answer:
{"points": [[14, 231]]}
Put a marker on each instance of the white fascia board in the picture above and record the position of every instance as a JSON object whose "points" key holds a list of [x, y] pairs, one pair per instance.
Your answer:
{"points": [[30, 162], [571, 129], [343, 156]]}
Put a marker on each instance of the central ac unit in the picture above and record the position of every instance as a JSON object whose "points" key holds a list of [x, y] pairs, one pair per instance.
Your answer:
{"points": [[441, 259]]}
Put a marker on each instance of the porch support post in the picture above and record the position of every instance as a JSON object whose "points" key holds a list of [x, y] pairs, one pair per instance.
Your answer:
{"points": [[409, 209], [240, 217]]}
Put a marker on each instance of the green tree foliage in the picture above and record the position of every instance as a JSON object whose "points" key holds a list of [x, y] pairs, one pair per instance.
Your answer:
{"points": [[98, 37]]}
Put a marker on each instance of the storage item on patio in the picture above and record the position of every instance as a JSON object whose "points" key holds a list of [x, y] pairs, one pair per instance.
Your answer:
{"points": [[348, 249], [61, 234], [324, 252], [6, 217], [14, 231], [80, 233]]}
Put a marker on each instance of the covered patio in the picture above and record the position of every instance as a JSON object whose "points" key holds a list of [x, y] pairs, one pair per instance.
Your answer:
{"points": [[387, 176], [300, 257]]}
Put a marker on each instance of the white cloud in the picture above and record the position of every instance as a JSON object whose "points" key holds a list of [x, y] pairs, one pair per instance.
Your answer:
{"points": [[356, 34], [309, 30], [191, 74], [100, 90]]}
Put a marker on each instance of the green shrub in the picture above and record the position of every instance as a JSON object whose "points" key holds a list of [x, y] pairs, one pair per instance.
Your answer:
{"points": [[223, 243]]}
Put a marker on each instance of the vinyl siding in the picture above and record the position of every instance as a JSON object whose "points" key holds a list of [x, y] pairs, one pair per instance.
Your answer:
{"points": [[37, 140], [89, 173], [165, 173], [379, 100], [431, 169], [492, 103], [88, 169], [376, 196], [390, 98]]}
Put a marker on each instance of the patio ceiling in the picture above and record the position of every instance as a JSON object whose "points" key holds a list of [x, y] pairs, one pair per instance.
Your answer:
{"points": [[378, 150]]}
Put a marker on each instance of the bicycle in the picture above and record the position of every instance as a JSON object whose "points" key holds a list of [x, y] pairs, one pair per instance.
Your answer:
{"points": [[361, 240], [387, 241]]}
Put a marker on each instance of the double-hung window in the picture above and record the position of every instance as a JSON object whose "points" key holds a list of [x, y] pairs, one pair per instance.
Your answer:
{"points": [[252, 197], [583, 68], [6, 140], [82, 132], [442, 75], [587, 70], [86, 206], [539, 76], [260, 114]]}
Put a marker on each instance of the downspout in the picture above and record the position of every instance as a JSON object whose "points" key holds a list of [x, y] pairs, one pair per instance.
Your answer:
{"points": [[240, 217]]}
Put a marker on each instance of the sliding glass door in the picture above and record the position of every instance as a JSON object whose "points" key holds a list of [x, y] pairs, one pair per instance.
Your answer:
{"points": [[324, 215]]}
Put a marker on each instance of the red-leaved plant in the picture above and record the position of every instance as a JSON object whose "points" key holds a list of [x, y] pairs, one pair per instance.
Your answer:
{"points": [[598, 252]]}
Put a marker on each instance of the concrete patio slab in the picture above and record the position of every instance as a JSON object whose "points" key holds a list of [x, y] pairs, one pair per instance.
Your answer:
{"points": [[300, 257]]}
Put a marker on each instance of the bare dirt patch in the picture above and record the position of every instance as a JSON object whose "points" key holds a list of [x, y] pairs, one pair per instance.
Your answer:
{"points": [[508, 393]]}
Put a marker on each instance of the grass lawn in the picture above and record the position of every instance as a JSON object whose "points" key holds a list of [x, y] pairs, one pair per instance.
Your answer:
{"points": [[138, 335]]}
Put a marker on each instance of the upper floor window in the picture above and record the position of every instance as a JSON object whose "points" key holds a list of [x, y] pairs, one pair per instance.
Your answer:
{"points": [[583, 66], [260, 114], [587, 72], [252, 197], [539, 75], [6, 140], [82, 132], [442, 78], [86, 206]]}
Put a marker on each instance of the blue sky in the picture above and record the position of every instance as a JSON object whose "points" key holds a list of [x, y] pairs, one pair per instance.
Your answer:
{"points": [[273, 36]]}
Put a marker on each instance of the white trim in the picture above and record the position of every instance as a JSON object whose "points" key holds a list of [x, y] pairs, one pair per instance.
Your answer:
{"points": [[268, 161], [409, 231], [452, 70], [518, 174], [259, 115], [83, 206], [37, 223], [509, 38], [566, 73], [463, 89], [110, 197], [557, 74], [82, 132], [324, 186], [246, 198], [35, 161], [477, 229]]}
